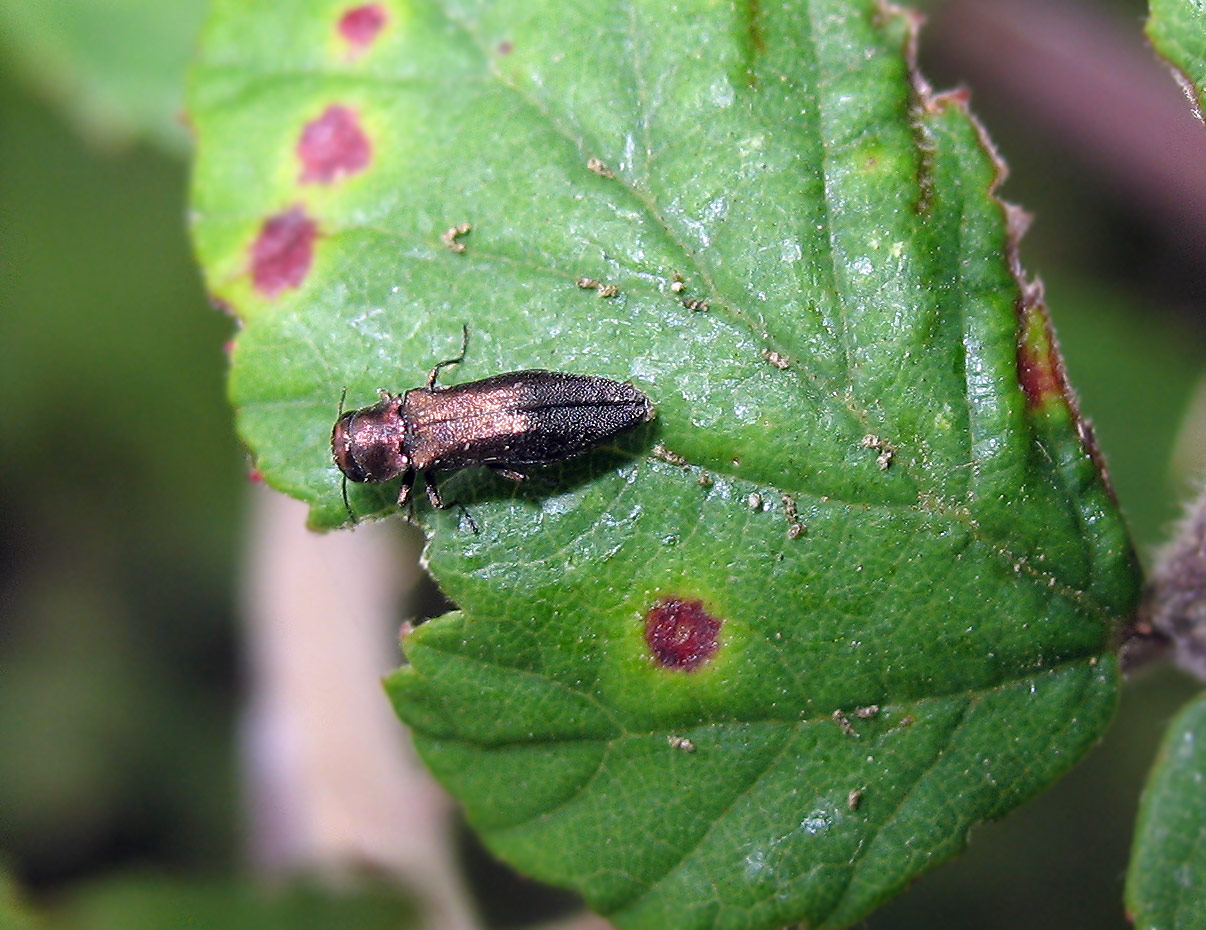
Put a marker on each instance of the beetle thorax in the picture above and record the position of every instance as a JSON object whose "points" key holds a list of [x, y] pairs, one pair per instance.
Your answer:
{"points": [[367, 443]]}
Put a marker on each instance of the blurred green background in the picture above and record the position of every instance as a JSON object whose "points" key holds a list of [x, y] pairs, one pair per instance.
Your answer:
{"points": [[122, 486]]}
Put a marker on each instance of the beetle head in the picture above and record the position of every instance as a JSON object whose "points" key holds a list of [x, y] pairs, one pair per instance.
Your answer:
{"points": [[367, 443]]}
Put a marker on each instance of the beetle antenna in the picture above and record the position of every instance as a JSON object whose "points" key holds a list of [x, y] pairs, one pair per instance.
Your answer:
{"points": [[434, 373], [343, 395]]}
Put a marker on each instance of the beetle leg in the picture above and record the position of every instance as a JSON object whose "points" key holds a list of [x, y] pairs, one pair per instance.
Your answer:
{"points": [[408, 483], [467, 515], [433, 495], [510, 473]]}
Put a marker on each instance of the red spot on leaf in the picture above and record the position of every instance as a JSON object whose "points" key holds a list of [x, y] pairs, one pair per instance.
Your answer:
{"points": [[681, 634], [506, 48], [282, 252], [332, 146], [1041, 374], [360, 25], [1040, 367], [255, 477]]}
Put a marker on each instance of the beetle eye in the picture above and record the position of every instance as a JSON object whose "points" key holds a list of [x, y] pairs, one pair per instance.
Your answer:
{"points": [[341, 448]]}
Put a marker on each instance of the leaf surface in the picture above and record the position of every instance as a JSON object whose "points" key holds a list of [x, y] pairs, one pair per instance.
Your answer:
{"points": [[880, 537], [1177, 29], [1166, 880]]}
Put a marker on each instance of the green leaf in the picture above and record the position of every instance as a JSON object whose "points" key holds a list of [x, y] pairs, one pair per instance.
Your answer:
{"points": [[116, 66], [136, 902], [886, 502], [1166, 881], [1177, 29], [14, 913]]}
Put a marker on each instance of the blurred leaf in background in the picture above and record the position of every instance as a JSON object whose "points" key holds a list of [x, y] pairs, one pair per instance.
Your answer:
{"points": [[14, 913], [115, 67], [1167, 883], [149, 903], [120, 487]]}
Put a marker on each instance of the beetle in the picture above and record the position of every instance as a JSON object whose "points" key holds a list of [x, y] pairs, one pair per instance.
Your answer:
{"points": [[507, 423]]}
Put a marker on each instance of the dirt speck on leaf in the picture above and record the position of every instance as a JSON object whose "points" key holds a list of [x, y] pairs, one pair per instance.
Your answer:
{"points": [[598, 167], [885, 449], [777, 359], [795, 529], [452, 235], [667, 455]]}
